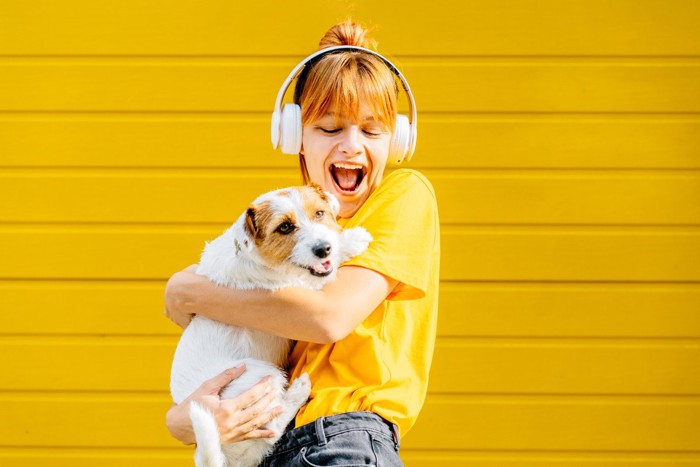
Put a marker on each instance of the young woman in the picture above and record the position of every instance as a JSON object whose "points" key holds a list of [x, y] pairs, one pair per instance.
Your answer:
{"points": [[366, 340]]}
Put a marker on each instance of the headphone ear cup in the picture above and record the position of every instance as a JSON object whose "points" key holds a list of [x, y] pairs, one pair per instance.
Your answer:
{"points": [[400, 140], [290, 129]]}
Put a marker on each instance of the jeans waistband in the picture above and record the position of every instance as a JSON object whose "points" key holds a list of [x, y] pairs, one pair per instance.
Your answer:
{"points": [[324, 427]]}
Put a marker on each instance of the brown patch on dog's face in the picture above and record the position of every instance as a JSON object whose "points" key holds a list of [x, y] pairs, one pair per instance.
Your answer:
{"points": [[274, 235], [316, 206]]}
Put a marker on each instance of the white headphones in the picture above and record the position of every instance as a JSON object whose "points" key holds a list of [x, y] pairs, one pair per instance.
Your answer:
{"points": [[286, 121]]}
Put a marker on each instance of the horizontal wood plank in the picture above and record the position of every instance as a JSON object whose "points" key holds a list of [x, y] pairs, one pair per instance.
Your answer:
{"points": [[569, 310], [500, 366], [614, 424], [557, 424], [430, 458], [505, 366], [570, 254], [242, 141], [545, 27], [96, 457], [102, 308], [219, 196], [182, 457], [248, 85], [468, 254], [466, 309]]}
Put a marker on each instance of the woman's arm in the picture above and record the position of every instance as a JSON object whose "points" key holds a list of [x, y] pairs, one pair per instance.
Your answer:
{"points": [[321, 316]]}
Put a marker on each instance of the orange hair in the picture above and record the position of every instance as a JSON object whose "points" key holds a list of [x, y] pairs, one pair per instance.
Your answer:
{"points": [[343, 80]]}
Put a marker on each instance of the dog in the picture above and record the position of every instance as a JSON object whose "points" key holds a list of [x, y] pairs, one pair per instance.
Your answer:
{"points": [[286, 238]]}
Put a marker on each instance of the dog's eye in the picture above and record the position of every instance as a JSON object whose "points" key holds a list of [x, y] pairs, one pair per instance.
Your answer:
{"points": [[320, 214], [285, 228]]}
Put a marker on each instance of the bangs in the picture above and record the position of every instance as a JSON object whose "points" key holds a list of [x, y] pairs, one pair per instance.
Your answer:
{"points": [[342, 82]]}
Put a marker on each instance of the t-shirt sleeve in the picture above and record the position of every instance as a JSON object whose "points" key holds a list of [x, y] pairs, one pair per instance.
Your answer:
{"points": [[403, 220]]}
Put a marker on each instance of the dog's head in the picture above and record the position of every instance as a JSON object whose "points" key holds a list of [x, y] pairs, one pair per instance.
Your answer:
{"points": [[295, 229]]}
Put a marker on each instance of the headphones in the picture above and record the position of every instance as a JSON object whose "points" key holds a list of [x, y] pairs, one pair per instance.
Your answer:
{"points": [[286, 121]]}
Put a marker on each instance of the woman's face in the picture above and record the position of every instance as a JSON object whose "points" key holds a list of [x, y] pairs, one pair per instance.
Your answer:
{"points": [[346, 158]]}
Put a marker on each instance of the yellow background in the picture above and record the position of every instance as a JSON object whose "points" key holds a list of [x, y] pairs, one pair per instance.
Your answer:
{"points": [[563, 140]]}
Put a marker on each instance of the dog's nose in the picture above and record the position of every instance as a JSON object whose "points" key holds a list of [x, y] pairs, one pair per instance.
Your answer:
{"points": [[322, 249]]}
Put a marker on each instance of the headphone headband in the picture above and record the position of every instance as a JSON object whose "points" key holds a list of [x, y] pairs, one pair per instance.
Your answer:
{"points": [[297, 70]]}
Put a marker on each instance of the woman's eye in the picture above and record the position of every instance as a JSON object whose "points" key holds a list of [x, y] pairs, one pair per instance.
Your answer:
{"points": [[285, 228], [320, 214], [330, 131], [373, 131]]}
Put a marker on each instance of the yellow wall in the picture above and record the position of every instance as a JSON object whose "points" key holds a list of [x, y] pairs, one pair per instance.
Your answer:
{"points": [[562, 137]]}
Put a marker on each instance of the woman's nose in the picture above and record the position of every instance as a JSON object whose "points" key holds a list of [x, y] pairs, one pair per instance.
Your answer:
{"points": [[351, 141]]}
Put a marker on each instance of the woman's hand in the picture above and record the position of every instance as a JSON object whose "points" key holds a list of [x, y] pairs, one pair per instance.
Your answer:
{"points": [[177, 303], [237, 419]]}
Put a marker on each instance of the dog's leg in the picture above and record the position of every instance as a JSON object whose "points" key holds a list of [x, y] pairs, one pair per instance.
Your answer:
{"points": [[296, 395]]}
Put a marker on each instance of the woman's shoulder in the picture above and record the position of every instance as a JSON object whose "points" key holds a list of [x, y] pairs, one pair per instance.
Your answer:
{"points": [[404, 180], [401, 192]]}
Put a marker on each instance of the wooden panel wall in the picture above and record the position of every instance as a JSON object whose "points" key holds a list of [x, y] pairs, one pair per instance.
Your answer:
{"points": [[563, 140]]}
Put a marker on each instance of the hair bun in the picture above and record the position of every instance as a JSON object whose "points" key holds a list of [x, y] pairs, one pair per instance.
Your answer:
{"points": [[347, 33]]}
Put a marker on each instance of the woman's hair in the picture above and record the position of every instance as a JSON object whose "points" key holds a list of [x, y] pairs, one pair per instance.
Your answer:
{"points": [[343, 79]]}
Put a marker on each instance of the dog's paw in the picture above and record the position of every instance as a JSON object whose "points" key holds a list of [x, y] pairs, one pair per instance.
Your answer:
{"points": [[354, 241], [299, 391]]}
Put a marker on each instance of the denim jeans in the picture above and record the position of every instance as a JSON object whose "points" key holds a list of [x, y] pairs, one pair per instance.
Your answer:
{"points": [[352, 439]]}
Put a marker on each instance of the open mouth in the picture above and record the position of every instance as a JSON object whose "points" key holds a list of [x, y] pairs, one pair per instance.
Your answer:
{"points": [[347, 177], [319, 270]]}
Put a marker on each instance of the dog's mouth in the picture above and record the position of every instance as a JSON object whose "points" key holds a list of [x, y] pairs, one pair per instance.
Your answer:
{"points": [[347, 177], [319, 270]]}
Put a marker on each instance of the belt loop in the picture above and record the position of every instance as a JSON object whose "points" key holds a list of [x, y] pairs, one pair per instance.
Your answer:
{"points": [[397, 440], [320, 434]]}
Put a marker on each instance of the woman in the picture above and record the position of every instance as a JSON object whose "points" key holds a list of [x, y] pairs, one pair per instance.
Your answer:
{"points": [[366, 340]]}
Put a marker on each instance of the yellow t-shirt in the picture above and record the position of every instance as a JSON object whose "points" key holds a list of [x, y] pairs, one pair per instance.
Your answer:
{"points": [[383, 365]]}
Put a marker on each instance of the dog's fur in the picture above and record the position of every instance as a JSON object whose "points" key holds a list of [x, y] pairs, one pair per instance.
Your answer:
{"points": [[287, 237]]}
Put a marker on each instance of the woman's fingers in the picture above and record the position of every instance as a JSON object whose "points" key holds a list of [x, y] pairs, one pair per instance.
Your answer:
{"points": [[255, 434], [240, 418], [258, 407], [260, 419], [216, 384], [249, 421], [252, 395]]}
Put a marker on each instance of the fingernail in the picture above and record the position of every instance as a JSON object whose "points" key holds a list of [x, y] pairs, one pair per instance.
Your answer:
{"points": [[239, 366]]}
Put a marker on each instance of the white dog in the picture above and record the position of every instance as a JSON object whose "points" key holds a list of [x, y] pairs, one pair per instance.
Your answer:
{"points": [[287, 237]]}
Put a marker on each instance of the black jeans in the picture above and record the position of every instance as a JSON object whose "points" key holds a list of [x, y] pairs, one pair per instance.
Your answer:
{"points": [[352, 439]]}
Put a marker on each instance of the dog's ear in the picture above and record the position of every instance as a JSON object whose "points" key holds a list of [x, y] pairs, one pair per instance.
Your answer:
{"points": [[250, 227]]}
